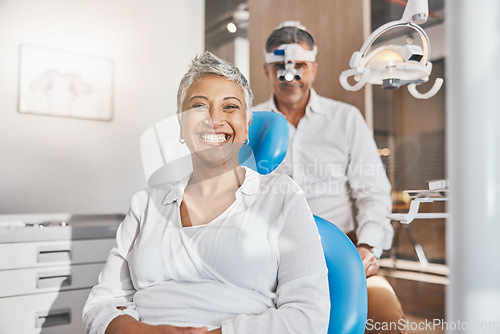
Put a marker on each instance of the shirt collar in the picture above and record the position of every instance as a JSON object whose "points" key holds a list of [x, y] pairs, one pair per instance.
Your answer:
{"points": [[312, 105], [177, 190], [251, 183], [249, 187]]}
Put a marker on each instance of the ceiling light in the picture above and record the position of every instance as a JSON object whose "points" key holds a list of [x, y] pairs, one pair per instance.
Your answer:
{"points": [[231, 27]]}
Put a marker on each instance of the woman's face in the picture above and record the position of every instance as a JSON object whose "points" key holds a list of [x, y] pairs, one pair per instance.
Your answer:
{"points": [[214, 120]]}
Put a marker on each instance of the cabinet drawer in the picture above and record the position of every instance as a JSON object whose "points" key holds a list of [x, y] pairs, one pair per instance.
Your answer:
{"points": [[48, 279], [39, 254], [47, 313]]}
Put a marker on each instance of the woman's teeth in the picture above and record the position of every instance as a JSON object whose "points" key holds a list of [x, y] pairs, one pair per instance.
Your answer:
{"points": [[213, 138]]}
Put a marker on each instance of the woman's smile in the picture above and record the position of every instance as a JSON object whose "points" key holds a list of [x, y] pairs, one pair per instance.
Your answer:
{"points": [[213, 139]]}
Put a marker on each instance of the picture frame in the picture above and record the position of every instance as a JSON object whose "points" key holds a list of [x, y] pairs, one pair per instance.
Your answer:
{"points": [[63, 84]]}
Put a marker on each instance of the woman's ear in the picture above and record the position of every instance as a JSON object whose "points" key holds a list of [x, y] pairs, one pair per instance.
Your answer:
{"points": [[180, 119], [248, 127]]}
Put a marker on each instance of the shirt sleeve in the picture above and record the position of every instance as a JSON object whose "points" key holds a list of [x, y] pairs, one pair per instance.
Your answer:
{"points": [[302, 294], [370, 187], [114, 286]]}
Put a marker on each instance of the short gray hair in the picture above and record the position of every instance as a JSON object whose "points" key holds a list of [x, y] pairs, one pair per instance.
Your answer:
{"points": [[288, 35], [209, 64]]}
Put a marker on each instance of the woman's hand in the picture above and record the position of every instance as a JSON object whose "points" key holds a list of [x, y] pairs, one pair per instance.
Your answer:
{"points": [[167, 329], [124, 324], [215, 331]]}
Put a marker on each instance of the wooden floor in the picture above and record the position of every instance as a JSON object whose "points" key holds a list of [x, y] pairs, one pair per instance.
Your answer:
{"points": [[421, 292]]}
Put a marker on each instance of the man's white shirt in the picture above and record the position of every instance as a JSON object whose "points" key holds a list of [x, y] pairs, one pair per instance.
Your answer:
{"points": [[334, 159]]}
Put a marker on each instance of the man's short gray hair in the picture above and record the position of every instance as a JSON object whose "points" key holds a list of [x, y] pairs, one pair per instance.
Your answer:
{"points": [[209, 64], [288, 35]]}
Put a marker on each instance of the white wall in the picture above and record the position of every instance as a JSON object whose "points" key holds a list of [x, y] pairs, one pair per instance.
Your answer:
{"points": [[53, 164], [237, 52], [242, 55]]}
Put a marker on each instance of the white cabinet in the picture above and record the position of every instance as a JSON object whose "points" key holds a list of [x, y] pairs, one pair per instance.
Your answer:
{"points": [[54, 313], [44, 284]]}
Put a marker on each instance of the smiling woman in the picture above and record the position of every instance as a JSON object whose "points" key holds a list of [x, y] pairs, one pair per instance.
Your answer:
{"points": [[225, 250], [214, 125]]}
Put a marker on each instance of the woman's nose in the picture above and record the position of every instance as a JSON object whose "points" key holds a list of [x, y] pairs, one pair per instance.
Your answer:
{"points": [[216, 116]]}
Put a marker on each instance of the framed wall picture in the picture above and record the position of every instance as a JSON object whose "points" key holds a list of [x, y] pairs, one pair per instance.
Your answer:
{"points": [[63, 84]]}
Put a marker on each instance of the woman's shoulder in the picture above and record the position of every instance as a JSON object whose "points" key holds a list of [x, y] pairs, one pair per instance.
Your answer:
{"points": [[277, 184], [156, 192]]}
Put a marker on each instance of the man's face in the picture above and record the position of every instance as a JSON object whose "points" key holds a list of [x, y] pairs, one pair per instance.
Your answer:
{"points": [[292, 92]]}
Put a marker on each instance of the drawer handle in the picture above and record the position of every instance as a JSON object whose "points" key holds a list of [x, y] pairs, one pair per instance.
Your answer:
{"points": [[53, 318], [54, 253], [53, 279]]}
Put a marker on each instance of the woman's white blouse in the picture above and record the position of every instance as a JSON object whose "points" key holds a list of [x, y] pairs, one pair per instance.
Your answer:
{"points": [[257, 268]]}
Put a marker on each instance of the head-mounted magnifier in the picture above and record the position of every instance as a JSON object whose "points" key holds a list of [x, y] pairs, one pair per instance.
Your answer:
{"points": [[290, 54]]}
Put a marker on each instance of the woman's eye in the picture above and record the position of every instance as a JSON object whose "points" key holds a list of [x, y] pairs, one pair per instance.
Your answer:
{"points": [[231, 107], [198, 106]]}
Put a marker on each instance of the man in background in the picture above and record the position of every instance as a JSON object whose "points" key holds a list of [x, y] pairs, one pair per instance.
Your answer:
{"points": [[333, 157]]}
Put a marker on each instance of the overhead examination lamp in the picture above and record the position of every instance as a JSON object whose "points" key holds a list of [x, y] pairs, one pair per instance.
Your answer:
{"points": [[393, 66]]}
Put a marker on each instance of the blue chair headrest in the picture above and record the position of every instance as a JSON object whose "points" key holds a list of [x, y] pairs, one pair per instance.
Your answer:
{"points": [[268, 141]]}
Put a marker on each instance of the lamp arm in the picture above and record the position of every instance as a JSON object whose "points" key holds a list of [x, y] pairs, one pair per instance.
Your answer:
{"points": [[426, 47], [416, 11]]}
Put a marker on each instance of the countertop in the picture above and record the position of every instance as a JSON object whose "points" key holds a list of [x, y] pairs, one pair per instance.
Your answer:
{"points": [[57, 226]]}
